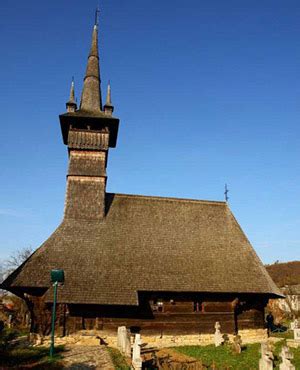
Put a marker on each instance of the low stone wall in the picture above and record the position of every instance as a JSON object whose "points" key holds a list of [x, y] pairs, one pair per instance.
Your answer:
{"points": [[293, 343], [247, 336], [253, 335], [92, 337]]}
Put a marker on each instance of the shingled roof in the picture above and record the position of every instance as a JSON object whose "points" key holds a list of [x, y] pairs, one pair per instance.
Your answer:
{"points": [[147, 244]]}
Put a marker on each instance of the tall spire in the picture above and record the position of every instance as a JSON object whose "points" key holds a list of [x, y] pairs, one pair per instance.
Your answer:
{"points": [[108, 107], [91, 93], [71, 104]]}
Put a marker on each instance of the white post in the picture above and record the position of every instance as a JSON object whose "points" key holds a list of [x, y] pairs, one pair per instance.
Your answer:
{"points": [[123, 341], [266, 361], [9, 320], [218, 336], [136, 353]]}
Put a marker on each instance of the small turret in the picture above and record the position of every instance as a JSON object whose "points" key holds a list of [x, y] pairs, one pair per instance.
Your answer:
{"points": [[71, 104], [108, 107]]}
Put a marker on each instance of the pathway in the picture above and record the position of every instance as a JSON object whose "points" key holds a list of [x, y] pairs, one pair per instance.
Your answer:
{"points": [[77, 357]]}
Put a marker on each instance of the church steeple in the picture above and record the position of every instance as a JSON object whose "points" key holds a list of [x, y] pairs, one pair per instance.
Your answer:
{"points": [[90, 114], [91, 93], [88, 132]]}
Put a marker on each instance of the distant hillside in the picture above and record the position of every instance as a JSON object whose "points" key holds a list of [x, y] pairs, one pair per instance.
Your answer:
{"points": [[285, 273]]}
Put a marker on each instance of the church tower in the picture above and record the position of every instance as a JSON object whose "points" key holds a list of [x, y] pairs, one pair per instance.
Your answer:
{"points": [[88, 132]]}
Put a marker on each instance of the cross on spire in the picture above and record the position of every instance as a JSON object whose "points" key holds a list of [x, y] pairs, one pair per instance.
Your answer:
{"points": [[226, 193], [97, 13]]}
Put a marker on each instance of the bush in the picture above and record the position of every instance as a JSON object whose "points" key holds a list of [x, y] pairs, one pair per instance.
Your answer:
{"points": [[6, 336]]}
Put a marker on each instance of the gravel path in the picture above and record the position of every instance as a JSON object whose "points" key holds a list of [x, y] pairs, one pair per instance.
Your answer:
{"points": [[78, 357]]}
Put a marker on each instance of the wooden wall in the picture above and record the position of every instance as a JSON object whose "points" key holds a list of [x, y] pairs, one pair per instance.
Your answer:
{"points": [[158, 314], [171, 316]]}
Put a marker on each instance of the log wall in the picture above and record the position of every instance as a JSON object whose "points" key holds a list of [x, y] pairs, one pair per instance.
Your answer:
{"points": [[169, 317], [179, 315]]}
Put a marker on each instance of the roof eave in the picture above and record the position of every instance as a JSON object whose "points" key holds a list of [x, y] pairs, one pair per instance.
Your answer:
{"points": [[94, 121]]}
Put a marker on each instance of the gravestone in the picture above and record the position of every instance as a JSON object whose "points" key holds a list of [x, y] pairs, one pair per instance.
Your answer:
{"points": [[297, 335], [237, 344], [267, 357], [136, 353], [218, 336], [123, 341], [286, 356], [295, 324]]}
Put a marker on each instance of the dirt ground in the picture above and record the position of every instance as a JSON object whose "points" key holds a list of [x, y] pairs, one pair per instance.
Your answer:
{"points": [[170, 359]]}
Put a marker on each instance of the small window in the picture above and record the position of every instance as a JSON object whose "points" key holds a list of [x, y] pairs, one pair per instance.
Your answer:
{"points": [[197, 306], [157, 305], [160, 305]]}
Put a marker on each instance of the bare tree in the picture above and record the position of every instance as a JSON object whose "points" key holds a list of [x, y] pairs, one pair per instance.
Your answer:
{"points": [[17, 258], [2, 270], [6, 268]]}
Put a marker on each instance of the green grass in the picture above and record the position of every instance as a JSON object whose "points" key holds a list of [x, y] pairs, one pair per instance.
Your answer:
{"points": [[117, 359], [286, 335], [224, 358], [36, 357], [6, 336], [21, 354]]}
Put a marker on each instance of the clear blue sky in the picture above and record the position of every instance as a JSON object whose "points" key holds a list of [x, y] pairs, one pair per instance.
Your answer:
{"points": [[208, 93]]}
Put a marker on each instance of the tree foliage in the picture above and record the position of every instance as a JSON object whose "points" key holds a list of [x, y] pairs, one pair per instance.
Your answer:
{"points": [[285, 273]]}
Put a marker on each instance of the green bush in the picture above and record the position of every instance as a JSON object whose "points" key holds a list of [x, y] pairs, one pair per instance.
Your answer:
{"points": [[6, 336]]}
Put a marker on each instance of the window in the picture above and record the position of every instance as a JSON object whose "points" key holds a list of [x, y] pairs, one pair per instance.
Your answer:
{"points": [[197, 306], [160, 305]]}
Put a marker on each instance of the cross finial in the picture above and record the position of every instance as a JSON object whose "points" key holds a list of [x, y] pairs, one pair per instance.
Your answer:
{"points": [[97, 12], [226, 193]]}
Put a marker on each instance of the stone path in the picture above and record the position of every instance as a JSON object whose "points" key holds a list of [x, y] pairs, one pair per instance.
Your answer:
{"points": [[77, 357]]}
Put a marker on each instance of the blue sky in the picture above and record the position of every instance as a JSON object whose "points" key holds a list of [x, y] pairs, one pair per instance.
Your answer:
{"points": [[207, 93]]}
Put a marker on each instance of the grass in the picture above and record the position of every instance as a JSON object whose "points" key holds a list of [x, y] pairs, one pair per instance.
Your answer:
{"points": [[224, 358], [6, 336], [118, 359], [286, 335], [35, 357]]}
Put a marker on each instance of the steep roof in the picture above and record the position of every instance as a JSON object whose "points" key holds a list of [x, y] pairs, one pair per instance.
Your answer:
{"points": [[147, 244], [91, 92]]}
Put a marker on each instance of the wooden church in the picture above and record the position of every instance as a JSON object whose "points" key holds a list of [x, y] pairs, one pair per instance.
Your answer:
{"points": [[161, 266]]}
